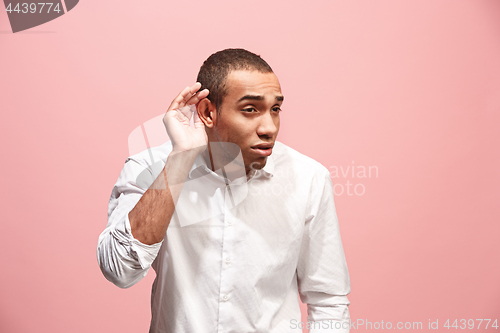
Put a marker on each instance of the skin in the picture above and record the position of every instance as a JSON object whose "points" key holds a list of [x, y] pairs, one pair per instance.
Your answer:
{"points": [[150, 217], [249, 116]]}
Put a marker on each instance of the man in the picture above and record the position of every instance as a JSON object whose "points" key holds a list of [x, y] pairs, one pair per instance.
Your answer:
{"points": [[234, 235]]}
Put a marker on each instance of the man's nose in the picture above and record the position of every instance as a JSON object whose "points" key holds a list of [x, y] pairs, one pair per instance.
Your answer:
{"points": [[268, 126]]}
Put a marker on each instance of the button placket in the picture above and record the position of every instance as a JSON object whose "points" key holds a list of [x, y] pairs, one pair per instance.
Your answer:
{"points": [[226, 283]]}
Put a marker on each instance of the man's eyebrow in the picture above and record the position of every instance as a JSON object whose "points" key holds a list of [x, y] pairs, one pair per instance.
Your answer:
{"points": [[252, 97], [259, 98]]}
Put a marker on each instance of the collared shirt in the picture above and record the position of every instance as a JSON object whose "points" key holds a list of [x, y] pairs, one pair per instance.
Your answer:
{"points": [[236, 255]]}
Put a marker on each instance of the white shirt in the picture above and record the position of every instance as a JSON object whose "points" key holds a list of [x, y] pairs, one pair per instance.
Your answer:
{"points": [[235, 257]]}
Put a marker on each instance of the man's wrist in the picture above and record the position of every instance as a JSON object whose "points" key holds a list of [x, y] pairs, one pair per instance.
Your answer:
{"points": [[187, 152]]}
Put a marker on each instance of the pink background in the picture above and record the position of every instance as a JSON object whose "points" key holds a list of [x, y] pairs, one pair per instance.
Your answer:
{"points": [[410, 87]]}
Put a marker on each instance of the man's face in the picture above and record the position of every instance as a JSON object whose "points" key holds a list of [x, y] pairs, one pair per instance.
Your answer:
{"points": [[250, 115]]}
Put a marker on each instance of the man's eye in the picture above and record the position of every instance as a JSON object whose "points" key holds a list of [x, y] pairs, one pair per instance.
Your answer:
{"points": [[249, 110], [277, 109]]}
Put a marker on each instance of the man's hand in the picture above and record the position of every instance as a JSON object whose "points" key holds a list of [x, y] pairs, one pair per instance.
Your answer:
{"points": [[150, 217], [178, 117]]}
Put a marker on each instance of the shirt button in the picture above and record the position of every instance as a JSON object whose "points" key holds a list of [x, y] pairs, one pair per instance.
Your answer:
{"points": [[225, 298], [229, 223], [228, 260]]}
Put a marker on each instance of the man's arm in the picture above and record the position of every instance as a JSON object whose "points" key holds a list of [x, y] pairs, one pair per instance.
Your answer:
{"points": [[322, 272], [149, 219], [138, 218]]}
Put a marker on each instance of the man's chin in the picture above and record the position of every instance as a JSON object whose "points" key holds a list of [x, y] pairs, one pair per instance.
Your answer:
{"points": [[258, 164]]}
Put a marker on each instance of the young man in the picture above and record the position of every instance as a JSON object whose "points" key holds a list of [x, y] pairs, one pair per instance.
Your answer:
{"points": [[235, 224]]}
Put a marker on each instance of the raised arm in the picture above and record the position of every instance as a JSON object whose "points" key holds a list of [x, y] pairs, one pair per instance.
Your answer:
{"points": [[151, 216], [138, 217]]}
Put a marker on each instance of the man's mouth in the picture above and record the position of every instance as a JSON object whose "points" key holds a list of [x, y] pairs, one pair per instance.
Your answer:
{"points": [[264, 149]]}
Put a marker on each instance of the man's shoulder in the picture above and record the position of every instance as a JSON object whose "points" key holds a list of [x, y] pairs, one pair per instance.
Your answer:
{"points": [[286, 156], [152, 155]]}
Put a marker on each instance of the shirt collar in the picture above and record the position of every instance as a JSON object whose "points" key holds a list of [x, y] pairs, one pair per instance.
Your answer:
{"points": [[200, 168], [269, 167]]}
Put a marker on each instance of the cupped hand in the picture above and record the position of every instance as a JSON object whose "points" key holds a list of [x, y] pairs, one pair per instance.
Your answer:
{"points": [[177, 120]]}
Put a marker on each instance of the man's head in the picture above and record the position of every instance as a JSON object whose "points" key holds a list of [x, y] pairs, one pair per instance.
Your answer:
{"points": [[247, 113], [215, 70]]}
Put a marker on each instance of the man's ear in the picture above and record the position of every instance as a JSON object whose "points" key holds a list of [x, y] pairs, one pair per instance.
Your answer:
{"points": [[207, 112]]}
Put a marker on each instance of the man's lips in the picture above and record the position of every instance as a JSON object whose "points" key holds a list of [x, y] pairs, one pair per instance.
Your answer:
{"points": [[264, 149]]}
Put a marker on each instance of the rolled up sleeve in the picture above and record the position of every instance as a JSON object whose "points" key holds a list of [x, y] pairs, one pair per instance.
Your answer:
{"points": [[322, 273], [123, 259]]}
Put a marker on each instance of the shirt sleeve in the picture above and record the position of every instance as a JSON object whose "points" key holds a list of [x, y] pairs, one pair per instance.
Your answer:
{"points": [[322, 273], [123, 259]]}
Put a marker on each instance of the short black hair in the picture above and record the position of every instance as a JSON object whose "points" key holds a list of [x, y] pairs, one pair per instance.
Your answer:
{"points": [[214, 71]]}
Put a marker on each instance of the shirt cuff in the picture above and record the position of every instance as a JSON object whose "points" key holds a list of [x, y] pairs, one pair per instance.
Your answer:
{"points": [[144, 253], [330, 319]]}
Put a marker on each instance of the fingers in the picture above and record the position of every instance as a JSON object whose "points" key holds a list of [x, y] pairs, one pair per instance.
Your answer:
{"points": [[189, 92], [179, 101], [188, 96], [198, 97], [185, 111], [195, 87]]}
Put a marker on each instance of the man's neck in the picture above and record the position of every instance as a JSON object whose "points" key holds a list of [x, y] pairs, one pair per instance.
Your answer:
{"points": [[226, 160]]}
